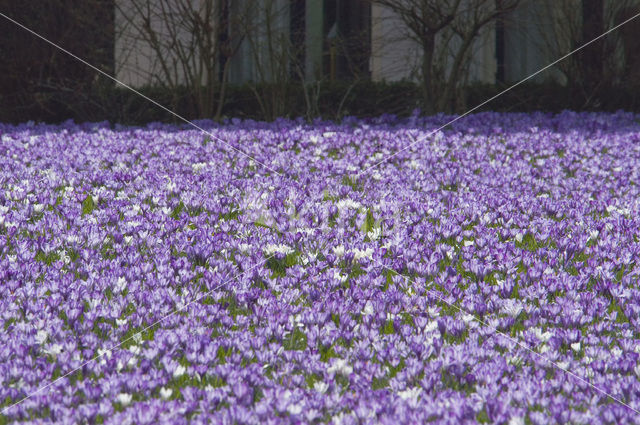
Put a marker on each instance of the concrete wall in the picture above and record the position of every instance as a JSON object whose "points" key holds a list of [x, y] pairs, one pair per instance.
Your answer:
{"points": [[136, 62], [394, 55]]}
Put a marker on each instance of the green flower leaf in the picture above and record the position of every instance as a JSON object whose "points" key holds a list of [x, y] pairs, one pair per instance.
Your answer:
{"points": [[88, 205]]}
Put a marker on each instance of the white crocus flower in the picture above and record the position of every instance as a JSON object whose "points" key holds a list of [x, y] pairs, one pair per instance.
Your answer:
{"points": [[515, 360], [410, 394], [340, 418], [179, 371], [321, 387], [124, 399], [516, 420], [165, 393], [374, 234], [121, 284], [450, 253], [340, 366], [348, 204], [542, 336], [338, 251], [512, 308], [41, 337], [53, 349], [340, 277], [199, 166], [431, 326], [104, 353], [365, 253], [277, 248], [65, 257], [294, 409]]}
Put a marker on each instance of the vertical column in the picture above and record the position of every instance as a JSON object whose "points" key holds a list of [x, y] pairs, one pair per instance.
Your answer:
{"points": [[313, 39]]}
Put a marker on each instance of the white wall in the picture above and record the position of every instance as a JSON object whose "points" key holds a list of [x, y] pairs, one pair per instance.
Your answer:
{"points": [[394, 56], [136, 62]]}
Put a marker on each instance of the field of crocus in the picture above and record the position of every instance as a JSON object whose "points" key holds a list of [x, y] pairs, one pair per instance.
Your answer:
{"points": [[487, 274]]}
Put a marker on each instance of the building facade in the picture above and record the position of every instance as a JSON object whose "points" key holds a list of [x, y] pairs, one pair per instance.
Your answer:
{"points": [[273, 40]]}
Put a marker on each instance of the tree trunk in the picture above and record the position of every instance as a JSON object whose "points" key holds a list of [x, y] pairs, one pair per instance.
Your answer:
{"points": [[428, 46], [222, 91], [592, 58], [448, 99]]}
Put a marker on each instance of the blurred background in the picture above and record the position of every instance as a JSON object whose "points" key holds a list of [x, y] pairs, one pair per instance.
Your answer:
{"points": [[264, 59]]}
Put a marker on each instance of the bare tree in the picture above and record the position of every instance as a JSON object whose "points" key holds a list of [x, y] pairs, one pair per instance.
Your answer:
{"points": [[446, 31], [273, 55], [576, 22], [40, 81], [629, 43], [187, 45]]}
